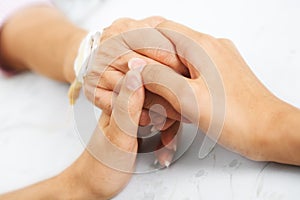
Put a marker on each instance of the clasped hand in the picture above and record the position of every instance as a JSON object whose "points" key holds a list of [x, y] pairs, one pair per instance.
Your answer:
{"points": [[181, 73]]}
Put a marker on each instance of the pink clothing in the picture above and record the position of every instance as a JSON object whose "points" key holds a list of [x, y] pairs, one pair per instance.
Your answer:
{"points": [[8, 7]]}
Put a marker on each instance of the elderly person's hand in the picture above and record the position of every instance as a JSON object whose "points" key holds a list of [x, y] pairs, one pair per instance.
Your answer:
{"points": [[123, 40]]}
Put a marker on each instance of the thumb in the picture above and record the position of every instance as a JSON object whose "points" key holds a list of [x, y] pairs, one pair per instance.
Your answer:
{"points": [[127, 106], [115, 143]]}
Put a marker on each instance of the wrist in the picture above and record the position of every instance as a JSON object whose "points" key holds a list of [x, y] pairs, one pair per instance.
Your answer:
{"points": [[279, 140], [48, 189], [287, 141], [73, 46]]}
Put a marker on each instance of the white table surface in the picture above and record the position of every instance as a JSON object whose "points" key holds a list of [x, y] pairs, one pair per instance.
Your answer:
{"points": [[37, 139]]}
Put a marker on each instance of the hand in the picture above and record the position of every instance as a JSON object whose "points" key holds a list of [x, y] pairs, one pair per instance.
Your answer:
{"points": [[110, 62], [250, 107], [106, 166]]}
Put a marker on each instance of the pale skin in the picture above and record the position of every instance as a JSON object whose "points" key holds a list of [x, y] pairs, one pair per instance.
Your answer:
{"points": [[55, 46], [275, 137], [56, 41]]}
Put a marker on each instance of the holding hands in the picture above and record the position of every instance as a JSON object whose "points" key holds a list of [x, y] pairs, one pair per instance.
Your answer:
{"points": [[196, 78], [120, 43], [148, 76]]}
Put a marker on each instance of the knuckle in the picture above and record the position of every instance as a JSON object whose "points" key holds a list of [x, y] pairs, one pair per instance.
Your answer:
{"points": [[104, 81], [163, 56], [122, 20], [97, 100], [154, 20], [227, 43], [118, 26], [107, 108], [225, 40], [106, 33], [152, 72], [171, 59]]}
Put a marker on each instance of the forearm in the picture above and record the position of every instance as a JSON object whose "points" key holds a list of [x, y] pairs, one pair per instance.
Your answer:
{"points": [[85, 179], [49, 189], [43, 40]]}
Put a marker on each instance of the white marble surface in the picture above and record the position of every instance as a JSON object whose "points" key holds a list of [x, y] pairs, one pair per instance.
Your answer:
{"points": [[37, 139]]}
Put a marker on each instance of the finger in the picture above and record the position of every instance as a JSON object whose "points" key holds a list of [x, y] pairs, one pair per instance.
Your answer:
{"points": [[152, 50], [165, 56], [168, 146], [173, 87], [168, 136], [179, 28], [191, 47], [103, 99], [145, 119], [152, 99], [116, 70], [118, 137], [109, 79], [164, 156], [100, 97], [154, 55], [200, 51], [163, 126], [127, 109]]}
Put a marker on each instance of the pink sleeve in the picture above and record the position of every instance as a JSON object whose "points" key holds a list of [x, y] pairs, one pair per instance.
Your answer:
{"points": [[7, 8]]}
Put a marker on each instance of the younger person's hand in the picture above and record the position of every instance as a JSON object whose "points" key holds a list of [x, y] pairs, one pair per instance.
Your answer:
{"points": [[106, 165], [245, 116]]}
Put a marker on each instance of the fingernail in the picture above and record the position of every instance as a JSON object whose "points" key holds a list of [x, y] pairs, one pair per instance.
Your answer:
{"points": [[133, 80], [167, 163], [155, 162], [136, 64]]}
